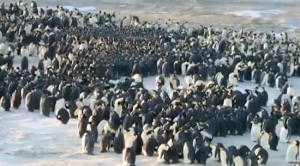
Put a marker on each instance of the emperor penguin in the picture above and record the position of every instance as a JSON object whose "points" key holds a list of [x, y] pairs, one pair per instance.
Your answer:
{"points": [[285, 132], [233, 79], [188, 153], [256, 129], [264, 140], [87, 143], [292, 152]]}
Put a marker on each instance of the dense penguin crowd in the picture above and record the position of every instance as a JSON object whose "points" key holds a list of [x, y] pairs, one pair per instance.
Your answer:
{"points": [[91, 67]]}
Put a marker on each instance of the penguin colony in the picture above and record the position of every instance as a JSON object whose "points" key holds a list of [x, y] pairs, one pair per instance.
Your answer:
{"points": [[84, 55]]}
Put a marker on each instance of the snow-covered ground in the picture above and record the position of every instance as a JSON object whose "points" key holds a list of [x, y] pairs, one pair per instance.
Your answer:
{"points": [[31, 139]]}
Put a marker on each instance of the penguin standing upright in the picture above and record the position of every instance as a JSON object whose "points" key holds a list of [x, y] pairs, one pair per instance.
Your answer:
{"points": [[285, 132], [5, 102], [264, 140], [273, 141], [188, 153], [292, 152], [118, 142], [87, 143], [255, 131], [261, 154]]}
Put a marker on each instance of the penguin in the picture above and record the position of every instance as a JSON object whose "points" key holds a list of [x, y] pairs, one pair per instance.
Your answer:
{"points": [[92, 127], [292, 152], [227, 102], [231, 153], [114, 120], [223, 157], [82, 125], [5, 102], [150, 146], [233, 79], [239, 161], [129, 153], [159, 81], [129, 156], [16, 99], [278, 127], [162, 149], [105, 142], [87, 143], [264, 140], [62, 115], [273, 141], [184, 67], [243, 151], [256, 129], [118, 142], [137, 78], [188, 153], [174, 82], [45, 106], [284, 135], [216, 151], [118, 106], [261, 154], [202, 154], [24, 63]]}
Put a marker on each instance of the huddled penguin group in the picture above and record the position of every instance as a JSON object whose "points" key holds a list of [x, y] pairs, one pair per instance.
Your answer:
{"points": [[91, 67]]}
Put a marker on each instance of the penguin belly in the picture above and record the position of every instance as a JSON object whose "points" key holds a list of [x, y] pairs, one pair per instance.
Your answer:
{"points": [[291, 154], [255, 132], [264, 140], [283, 135], [223, 156]]}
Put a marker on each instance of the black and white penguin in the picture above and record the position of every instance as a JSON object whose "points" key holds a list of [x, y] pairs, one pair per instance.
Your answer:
{"points": [[5, 102], [174, 82], [92, 127], [32, 100], [16, 99], [202, 154], [243, 151], [188, 153], [82, 125], [292, 153], [150, 146], [87, 143], [118, 106], [63, 116], [223, 156], [285, 132], [232, 152], [261, 154], [45, 105], [273, 141], [24, 63], [105, 142], [233, 79], [264, 140], [159, 81], [118, 142], [129, 153], [216, 151], [239, 161], [256, 129]]}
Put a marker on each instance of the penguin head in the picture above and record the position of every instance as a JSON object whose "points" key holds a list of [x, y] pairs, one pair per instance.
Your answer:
{"points": [[296, 143]]}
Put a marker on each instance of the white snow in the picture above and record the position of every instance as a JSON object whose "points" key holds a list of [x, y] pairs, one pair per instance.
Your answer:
{"points": [[31, 139]]}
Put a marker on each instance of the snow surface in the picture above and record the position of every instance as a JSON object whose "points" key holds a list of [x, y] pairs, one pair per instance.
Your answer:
{"points": [[31, 139]]}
